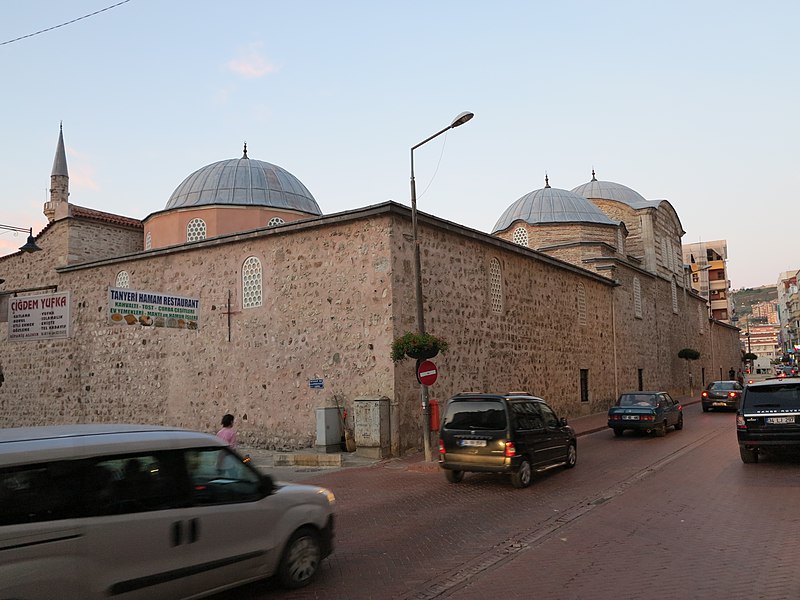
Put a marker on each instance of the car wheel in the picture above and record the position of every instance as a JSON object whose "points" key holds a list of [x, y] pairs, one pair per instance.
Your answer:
{"points": [[661, 429], [705, 408], [572, 456], [300, 559], [749, 457], [618, 431], [679, 424], [454, 476], [521, 478]]}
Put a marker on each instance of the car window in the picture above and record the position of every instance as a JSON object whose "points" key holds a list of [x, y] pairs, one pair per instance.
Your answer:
{"points": [[526, 416], [637, 400], [43, 492], [144, 482], [218, 476], [475, 414], [550, 418], [781, 396], [724, 386]]}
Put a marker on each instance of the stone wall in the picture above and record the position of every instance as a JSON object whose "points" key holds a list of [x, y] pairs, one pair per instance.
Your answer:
{"points": [[91, 240]]}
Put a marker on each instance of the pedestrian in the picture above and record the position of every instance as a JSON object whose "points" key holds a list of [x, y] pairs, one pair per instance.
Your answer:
{"points": [[731, 374], [740, 377], [227, 434]]}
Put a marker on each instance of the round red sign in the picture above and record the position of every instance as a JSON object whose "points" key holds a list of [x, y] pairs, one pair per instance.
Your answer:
{"points": [[426, 372]]}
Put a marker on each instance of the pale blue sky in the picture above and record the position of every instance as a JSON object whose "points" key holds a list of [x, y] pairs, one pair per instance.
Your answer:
{"points": [[695, 102]]}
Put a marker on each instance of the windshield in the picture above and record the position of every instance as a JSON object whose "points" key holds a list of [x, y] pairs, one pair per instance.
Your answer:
{"points": [[724, 385], [785, 397], [637, 400], [470, 414]]}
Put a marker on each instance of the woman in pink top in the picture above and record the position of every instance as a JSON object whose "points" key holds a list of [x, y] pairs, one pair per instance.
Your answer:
{"points": [[227, 433]]}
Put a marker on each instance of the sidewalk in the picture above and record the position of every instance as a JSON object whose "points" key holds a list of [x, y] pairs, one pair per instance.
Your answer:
{"points": [[300, 464]]}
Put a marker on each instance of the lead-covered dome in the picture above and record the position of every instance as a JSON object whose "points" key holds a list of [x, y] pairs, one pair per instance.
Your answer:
{"points": [[608, 190], [552, 205], [244, 182]]}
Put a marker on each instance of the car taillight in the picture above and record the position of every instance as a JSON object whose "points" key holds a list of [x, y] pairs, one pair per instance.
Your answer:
{"points": [[647, 418], [732, 394], [441, 446], [704, 395], [615, 418], [740, 424], [510, 449]]}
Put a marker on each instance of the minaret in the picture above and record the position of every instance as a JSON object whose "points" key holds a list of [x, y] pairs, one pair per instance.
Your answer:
{"points": [[58, 205]]}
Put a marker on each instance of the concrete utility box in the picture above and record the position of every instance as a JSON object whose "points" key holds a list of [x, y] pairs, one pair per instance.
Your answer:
{"points": [[329, 430], [371, 420]]}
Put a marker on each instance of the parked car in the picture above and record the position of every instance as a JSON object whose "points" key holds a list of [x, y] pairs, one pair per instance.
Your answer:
{"points": [[648, 412], [721, 394], [513, 433], [768, 418], [136, 511]]}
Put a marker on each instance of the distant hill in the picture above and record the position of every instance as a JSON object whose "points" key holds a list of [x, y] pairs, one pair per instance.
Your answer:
{"points": [[745, 298]]}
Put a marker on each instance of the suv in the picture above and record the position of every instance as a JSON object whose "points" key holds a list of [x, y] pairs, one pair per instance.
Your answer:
{"points": [[91, 511], [513, 433], [768, 417]]}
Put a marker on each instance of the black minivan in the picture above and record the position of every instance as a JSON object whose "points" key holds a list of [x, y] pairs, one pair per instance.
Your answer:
{"points": [[513, 433]]}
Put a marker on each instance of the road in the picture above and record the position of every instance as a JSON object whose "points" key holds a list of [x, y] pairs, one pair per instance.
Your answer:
{"points": [[678, 517]]}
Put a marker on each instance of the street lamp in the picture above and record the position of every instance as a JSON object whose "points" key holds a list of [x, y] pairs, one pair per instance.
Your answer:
{"points": [[426, 409], [30, 245]]}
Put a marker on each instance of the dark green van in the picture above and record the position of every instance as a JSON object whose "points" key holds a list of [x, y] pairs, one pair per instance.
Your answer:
{"points": [[513, 433]]}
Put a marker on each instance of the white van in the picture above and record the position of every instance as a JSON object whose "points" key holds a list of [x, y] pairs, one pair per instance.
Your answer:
{"points": [[137, 511]]}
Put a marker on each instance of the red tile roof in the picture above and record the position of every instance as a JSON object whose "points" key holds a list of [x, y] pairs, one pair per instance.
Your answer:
{"points": [[98, 215]]}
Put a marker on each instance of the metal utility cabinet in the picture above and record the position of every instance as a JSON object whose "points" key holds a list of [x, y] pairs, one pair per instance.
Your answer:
{"points": [[329, 430], [371, 423]]}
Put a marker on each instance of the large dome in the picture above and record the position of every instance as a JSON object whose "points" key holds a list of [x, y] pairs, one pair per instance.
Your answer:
{"points": [[608, 190], [244, 182], [552, 205]]}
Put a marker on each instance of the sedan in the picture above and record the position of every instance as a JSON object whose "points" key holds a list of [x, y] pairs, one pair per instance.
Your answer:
{"points": [[721, 394], [648, 412]]}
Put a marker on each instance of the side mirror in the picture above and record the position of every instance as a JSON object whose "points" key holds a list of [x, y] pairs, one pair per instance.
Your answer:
{"points": [[267, 484], [562, 421]]}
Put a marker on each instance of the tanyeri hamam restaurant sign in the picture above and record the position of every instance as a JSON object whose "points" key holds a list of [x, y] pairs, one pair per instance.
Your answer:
{"points": [[152, 309], [39, 317]]}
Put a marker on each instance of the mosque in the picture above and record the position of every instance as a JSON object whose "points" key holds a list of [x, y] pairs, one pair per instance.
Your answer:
{"points": [[242, 296]]}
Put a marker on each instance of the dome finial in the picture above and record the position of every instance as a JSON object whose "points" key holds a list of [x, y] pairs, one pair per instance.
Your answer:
{"points": [[546, 181], [593, 177], [245, 151]]}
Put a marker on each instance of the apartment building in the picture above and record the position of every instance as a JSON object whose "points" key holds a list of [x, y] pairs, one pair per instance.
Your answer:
{"points": [[709, 275]]}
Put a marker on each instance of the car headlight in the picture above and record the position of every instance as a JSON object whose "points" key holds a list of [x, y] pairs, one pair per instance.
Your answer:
{"points": [[328, 495]]}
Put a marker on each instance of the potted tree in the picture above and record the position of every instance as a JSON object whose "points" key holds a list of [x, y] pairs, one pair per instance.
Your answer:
{"points": [[420, 346], [689, 354]]}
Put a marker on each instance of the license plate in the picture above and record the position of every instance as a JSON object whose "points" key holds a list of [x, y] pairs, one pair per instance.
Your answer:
{"points": [[630, 417], [780, 420], [478, 443], [718, 404]]}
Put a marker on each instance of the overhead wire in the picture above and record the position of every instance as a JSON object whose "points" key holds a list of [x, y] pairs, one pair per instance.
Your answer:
{"points": [[97, 12]]}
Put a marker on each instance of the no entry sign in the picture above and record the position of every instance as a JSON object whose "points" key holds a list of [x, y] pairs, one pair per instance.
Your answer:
{"points": [[426, 372]]}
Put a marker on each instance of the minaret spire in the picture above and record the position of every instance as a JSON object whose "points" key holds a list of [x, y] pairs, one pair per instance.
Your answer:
{"points": [[58, 205]]}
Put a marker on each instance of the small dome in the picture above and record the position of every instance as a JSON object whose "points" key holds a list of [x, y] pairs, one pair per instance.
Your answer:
{"points": [[608, 190], [244, 182], [552, 205]]}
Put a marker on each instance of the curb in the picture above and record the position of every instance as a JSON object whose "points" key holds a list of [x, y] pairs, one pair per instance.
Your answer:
{"points": [[307, 460]]}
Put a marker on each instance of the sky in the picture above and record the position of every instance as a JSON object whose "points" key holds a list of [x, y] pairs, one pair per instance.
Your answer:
{"points": [[695, 102]]}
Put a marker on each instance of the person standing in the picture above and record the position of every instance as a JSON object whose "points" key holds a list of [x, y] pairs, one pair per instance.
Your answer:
{"points": [[740, 377], [227, 434], [732, 374]]}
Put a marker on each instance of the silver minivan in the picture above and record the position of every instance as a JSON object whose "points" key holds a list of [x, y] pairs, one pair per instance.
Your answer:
{"points": [[137, 511]]}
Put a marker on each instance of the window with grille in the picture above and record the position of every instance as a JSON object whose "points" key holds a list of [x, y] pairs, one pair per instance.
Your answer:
{"points": [[148, 241], [674, 296], [581, 295], [620, 241], [496, 286], [637, 298], [123, 280], [275, 221], [521, 236], [251, 283], [195, 230]]}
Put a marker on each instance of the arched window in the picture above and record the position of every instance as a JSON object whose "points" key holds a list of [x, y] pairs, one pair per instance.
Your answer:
{"points": [[123, 280], [148, 241], [637, 298], [251, 283], [521, 236], [195, 230], [275, 221], [496, 286], [581, 297], [674, 296]]}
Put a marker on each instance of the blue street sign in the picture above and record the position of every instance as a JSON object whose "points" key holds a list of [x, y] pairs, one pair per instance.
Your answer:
{"points": [[316, 384]]}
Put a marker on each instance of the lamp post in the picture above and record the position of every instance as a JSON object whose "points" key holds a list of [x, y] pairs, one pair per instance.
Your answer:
{"points": [[426, 409], [30, 245]]}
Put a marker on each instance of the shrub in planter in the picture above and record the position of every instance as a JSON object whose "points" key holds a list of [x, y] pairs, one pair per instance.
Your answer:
{"points": [[417, 345], [689, 354]]}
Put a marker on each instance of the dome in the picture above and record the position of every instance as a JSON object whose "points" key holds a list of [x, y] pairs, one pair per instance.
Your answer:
{"points": [[552, 205], [608, 190], [244, 182]]}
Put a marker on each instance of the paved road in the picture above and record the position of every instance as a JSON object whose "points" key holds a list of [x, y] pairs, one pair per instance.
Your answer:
{"points": [[677, 517]]}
